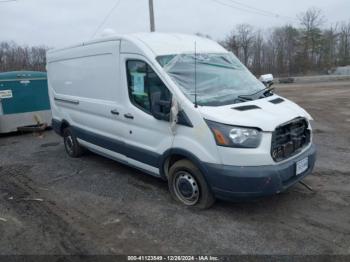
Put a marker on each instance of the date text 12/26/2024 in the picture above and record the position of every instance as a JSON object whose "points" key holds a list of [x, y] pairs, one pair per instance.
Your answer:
{"points": [[172, 258]]}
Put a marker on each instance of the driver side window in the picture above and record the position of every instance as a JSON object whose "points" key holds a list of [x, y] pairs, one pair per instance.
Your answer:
{"points": [[144, 85]]}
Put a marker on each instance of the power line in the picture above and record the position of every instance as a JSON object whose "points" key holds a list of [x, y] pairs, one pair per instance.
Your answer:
{"points": [[5, 1], [239, 8], [106, 18], [261, 10], [250, 9]]}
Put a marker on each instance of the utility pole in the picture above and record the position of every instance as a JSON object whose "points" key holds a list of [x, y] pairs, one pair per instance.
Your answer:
{"points": [[151, 15]]}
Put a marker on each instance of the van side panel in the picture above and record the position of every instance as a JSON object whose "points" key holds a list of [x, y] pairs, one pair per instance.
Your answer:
{"points": [[87, 71], [85, 88]]}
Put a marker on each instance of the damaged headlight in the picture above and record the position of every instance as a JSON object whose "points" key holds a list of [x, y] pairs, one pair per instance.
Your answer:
{"points": [[235, 136]]}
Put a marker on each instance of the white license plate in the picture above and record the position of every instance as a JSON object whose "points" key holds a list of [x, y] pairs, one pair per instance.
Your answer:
{"points": [[302, 166]]}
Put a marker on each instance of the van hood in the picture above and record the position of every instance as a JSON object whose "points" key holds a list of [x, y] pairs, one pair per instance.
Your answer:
{"points": [[266, 113]]}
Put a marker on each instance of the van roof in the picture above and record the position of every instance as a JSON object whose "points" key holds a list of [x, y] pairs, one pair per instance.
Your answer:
{"points": [[163, 43]]}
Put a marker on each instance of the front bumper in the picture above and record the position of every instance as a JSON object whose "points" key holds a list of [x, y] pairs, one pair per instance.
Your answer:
{"points": [[230, 182]]}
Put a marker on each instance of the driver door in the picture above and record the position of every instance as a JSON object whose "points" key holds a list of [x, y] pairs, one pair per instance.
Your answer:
{"points": [[147, 137]]}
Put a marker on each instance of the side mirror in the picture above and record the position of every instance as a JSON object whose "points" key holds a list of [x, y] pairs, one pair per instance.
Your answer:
{"points": [[160, 108], [267, 79]]}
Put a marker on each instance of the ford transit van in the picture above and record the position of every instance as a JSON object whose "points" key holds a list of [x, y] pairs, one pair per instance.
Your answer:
{"points": [[181, 108]]}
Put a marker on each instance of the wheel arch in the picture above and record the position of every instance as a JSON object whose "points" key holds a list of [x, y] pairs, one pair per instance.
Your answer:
{"points": [[175, 154], [59, 125]]}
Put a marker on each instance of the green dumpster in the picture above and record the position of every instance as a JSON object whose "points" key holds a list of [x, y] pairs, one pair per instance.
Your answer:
{"points": [[24, 100]]}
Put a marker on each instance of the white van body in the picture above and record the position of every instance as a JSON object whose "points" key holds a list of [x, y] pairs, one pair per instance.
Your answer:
{"points": [[89, 88]]}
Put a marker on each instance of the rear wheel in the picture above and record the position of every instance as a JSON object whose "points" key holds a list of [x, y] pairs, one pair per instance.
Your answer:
{"points": [[71, 144], [188, 186]]}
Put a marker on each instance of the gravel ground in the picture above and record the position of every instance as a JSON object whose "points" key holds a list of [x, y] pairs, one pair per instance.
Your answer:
{"points": [[53, 204]]}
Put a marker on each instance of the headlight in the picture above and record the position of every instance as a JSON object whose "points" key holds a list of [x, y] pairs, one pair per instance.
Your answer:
{"points": [[234, 136]]}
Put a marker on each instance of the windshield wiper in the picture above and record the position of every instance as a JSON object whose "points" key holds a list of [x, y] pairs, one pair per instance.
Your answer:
{"points": [[254, 95]]}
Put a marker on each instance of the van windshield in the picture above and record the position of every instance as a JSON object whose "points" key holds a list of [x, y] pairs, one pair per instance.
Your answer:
{"points": [[220, 78]]}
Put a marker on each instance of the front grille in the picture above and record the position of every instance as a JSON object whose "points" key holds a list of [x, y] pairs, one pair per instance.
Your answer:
{"points": [[289, 139]]}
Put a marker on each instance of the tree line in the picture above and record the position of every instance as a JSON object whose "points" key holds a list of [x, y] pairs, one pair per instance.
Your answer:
{"points": [[310, 48], [14, 57]]}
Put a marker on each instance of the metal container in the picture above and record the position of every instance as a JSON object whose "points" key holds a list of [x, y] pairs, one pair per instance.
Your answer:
{"points": [[24, 100]]}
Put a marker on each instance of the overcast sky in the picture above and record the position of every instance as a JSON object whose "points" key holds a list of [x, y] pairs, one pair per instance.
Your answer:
{"points": [[57, 23]]}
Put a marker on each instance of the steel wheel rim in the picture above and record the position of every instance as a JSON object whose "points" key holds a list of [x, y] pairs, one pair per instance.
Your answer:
{"points": [[186, 188], [69, 144]]}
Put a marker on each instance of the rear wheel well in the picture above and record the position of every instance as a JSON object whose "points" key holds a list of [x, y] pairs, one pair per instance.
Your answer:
{"points": [[64, 125]]}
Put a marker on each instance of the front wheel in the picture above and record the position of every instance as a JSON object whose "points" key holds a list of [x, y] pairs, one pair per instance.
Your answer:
{"points": [[188, 186]]}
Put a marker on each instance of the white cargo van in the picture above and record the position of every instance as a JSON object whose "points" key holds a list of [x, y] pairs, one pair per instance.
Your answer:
{"points": [[181, 108]]}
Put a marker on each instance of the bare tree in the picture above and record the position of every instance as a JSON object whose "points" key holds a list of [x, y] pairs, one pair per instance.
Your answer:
{"points": [[311, 21], [330, 41], [344, 44], [312, 18], [15, 57], [231, 43], [257, 52], [245, 39], [291, 37]]}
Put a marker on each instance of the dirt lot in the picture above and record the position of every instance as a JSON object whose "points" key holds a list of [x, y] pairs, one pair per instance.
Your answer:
{"points": [[53, 204]]}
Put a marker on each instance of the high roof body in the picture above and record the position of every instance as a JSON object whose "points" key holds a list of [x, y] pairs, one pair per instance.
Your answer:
{"points": [[161, 43]]}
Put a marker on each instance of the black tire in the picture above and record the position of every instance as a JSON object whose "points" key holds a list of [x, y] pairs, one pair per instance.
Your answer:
{"points": [[71, 144], [184, 180]]}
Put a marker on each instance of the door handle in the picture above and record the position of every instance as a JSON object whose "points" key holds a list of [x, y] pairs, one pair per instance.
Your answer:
{"points": [[64, 100], [128, 115], [115, 112]]}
